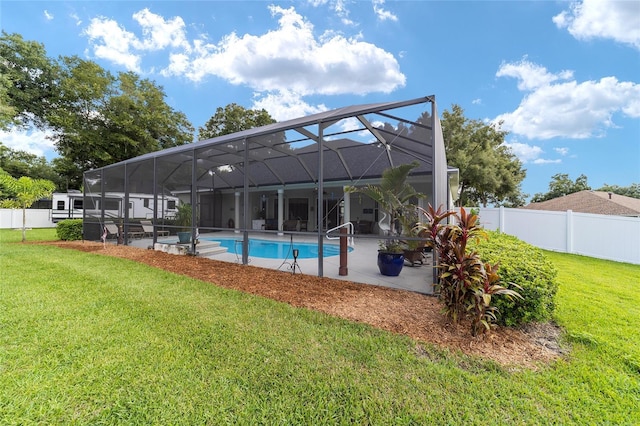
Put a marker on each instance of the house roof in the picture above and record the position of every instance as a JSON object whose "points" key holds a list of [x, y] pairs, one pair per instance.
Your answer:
{"points": [[595, 202]]}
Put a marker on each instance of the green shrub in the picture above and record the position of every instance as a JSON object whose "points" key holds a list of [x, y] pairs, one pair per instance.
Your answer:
{"points": [[69, 229], [524, 265]]}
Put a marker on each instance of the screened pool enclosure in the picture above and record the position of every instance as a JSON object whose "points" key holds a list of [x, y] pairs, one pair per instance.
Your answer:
{"points": [[287, 177]]}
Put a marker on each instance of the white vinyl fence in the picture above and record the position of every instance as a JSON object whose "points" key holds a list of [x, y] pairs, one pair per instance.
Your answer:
{"points": [[36, 218], [601, 236]]}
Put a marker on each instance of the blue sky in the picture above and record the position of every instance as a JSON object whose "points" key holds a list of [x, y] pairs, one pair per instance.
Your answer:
{"points": [[561, 76]]}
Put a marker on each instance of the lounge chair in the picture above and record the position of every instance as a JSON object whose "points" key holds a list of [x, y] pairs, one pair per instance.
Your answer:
{"points": [[147, 227], [135, 234], [112, 229], [294, 225], [113, 232]]}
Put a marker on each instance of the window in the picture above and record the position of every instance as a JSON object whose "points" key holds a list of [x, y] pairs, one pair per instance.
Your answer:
{"points": [[60, 205], [171, 205], [299, 208], [77, 203], [111, 204], [145, 202], [91, 203]]}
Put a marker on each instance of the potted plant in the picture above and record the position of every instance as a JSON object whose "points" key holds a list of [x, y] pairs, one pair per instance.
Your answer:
{"points": [[183, 219], [413, 236], [390, 257], [393, 196]]}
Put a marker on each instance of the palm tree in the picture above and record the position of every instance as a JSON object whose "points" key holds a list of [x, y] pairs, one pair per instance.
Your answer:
{"points": [[393, 196]]}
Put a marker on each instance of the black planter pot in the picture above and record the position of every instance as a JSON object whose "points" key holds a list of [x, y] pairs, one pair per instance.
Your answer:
{"points": [[390, 264]]}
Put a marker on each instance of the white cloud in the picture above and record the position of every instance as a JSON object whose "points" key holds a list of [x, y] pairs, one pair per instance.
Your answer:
{"points": [[525, 153], [178, 64], [158, 33], [292, 58], [382, 13], [112, 42], [546, 161], [336, 6], [532, 154], [288, 58], [76, 18], [477, 101], [284, 105], [531, 76], [283, 64], [561, 150], [48, 16], [33, 141], [616, 20], [316, 3], [558, 106]]}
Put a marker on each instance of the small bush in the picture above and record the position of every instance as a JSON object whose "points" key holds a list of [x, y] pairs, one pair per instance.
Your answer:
{"points": [[524, 265], [69, 229]]}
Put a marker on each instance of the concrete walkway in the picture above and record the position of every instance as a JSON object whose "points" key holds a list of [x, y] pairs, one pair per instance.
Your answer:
{"points": [[362, 261]]}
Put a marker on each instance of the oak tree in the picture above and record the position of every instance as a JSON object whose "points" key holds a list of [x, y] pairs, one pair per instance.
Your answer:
{"points": [[489, 171], [233, 118], [104, 119], [28, 88]]}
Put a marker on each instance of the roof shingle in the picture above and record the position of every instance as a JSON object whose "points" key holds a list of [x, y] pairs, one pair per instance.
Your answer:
{"points": [[594, 202]]}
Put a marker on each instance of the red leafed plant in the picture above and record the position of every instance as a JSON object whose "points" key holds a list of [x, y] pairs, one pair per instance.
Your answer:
{"points": [[466, 285]]}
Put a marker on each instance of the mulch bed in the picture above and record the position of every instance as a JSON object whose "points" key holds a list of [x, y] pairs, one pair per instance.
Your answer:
{"points": [[404, 312]]}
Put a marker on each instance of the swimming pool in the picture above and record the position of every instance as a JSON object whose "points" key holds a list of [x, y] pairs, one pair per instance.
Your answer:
{"points": [[277, 249]]}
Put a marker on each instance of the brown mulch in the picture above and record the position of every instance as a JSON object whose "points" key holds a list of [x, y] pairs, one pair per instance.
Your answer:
{"points": [[404, 312]]}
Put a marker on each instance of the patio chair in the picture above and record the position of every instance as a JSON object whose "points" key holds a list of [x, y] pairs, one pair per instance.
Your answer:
{"points": [[147, 227]]}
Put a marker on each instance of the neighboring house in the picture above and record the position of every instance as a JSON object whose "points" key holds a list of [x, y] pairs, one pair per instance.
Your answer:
{"points": [[594, 202]]}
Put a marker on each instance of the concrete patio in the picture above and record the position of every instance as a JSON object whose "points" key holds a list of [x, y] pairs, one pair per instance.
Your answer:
{"points": [[362, 261]]}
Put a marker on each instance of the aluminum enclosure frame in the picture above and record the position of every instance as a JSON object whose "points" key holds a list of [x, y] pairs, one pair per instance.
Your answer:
{"points": [[331, 149]]}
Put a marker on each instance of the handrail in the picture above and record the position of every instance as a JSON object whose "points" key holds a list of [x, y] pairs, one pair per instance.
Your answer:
{"points": [[350, 240]]}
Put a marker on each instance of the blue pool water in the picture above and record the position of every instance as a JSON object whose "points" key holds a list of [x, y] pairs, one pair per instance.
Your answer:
{"points": [[277, 249]]}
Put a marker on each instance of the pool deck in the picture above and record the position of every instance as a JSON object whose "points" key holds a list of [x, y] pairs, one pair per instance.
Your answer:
{"points": [[361, 262]]}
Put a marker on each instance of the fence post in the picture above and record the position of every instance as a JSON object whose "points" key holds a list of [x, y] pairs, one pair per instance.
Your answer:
{"points": [[501, 220], [343, 270], [569, 244]]}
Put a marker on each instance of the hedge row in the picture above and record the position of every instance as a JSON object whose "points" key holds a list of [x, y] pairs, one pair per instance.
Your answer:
{"points": [[526, 266]]}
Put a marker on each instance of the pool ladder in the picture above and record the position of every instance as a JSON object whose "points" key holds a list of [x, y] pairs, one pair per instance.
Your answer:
{"points": [[350, 230]]}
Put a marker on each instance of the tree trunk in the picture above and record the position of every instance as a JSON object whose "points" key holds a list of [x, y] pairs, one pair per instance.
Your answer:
{"points": [[461, 195]]}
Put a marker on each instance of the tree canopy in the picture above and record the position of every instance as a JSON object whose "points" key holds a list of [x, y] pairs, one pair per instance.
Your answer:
{"points": [[95, 118], [27, 82], [19, 163], [561, 185], [26, 191], [489, 171], [632, 190], [233, 118], [104, 119]]}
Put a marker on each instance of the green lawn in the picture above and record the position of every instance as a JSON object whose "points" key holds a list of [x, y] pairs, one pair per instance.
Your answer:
{"points": [[87, 339]]}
